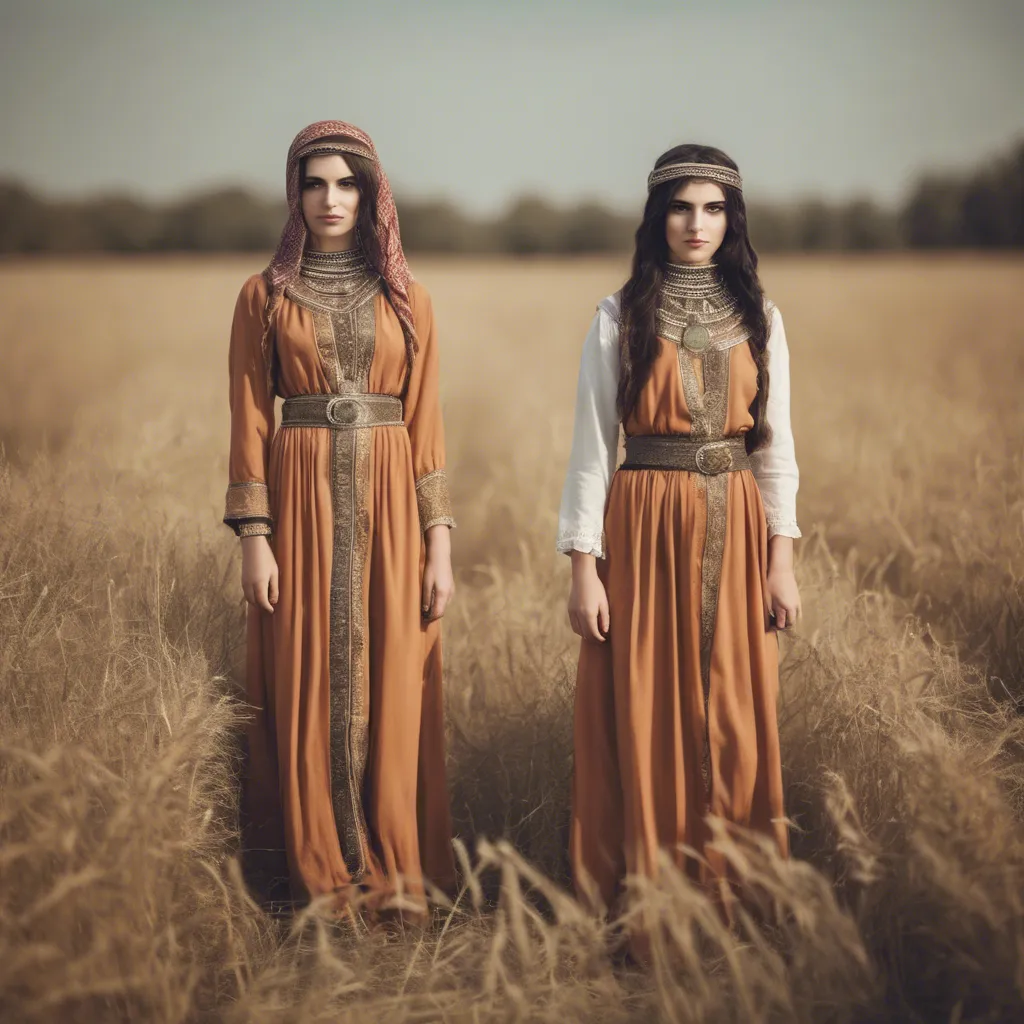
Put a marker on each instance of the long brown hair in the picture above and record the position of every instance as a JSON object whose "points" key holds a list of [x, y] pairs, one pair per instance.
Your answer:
{"points": [[737, 265], [367, 181], [364, 170], [384, 239]]}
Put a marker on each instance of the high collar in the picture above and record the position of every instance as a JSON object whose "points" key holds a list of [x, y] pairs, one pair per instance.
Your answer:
{"points": [[687, 280], [326, 265]]}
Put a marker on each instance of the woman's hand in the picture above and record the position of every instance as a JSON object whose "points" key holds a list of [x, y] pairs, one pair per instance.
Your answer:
{"points": [[588, 602], [438, 580], [259, 573], [783, 593]]}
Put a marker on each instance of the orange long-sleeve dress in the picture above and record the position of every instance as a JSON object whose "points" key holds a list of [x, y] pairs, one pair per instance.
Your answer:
{"points": [[675, 713], [346, 768]]}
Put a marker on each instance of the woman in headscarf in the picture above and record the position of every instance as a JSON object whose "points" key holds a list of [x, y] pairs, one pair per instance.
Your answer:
{"points": [[344, 518], [682, 560]]}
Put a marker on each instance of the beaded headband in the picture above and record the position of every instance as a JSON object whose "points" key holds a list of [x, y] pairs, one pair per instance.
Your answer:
{"points": [[713, 172], [322, 147]]}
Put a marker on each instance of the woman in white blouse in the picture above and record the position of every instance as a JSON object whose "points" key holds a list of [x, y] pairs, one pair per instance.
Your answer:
{"points": [[682, 558]]}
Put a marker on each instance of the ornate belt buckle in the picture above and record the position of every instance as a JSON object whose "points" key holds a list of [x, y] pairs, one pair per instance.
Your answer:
{"points": [[342, 412], [713, 458]]}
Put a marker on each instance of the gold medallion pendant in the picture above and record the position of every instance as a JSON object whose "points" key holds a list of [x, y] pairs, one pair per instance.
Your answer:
{"points": [[696, 338]]}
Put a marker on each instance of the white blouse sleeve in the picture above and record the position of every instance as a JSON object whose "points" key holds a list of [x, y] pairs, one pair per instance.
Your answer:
{"points": [[775, 467], [595, 438]]}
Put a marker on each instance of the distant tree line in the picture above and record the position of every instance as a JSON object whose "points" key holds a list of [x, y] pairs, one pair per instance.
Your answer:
{"points": [[983, 209]]}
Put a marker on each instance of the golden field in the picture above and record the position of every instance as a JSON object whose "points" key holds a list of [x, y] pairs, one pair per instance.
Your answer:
{"points": [[120, 634]]}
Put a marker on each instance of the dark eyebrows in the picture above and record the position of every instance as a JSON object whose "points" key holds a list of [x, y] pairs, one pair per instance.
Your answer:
{"points": [[683, 202], [320, 181]]}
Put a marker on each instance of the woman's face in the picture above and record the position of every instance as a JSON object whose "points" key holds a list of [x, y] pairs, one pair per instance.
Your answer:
{"points": [[330, 202], [696, 222]]}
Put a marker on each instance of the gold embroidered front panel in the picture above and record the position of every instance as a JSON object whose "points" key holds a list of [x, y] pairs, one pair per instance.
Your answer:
{"points": [[344, 324], [433, 500], [349, 724], [705, 381]]}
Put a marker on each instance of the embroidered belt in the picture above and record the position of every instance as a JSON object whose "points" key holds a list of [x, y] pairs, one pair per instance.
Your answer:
{"points": [[679, 451], [342, 412]]}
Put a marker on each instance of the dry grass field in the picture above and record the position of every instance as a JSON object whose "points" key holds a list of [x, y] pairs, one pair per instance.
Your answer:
{"points": [[120, 634]]}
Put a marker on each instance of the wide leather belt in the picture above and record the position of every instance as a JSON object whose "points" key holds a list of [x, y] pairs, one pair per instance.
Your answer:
{"points": [[342, 412], [679, 451]]}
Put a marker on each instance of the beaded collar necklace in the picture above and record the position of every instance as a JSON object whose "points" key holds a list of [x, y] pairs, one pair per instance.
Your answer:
{"points": [[335, 277], [327, 265], [696, 309]]}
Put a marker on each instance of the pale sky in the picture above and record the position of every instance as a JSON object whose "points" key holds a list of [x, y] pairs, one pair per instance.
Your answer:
{"points": [[478, 101]]}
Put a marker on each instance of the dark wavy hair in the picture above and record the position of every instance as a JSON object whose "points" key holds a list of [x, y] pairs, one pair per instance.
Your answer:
{"points": [[364, 171], [367, 181], [737, 265]]}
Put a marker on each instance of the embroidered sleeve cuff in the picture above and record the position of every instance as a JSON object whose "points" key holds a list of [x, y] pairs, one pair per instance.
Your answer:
{"points": [[252, 528], [247, 505], [779, 526], [434, 502], [587, 541]]}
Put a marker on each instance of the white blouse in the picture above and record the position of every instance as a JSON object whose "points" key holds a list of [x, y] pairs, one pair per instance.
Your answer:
{"points": [[595, 438]]}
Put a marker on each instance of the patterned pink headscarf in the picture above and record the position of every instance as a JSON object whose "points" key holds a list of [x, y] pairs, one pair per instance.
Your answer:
{"points": [[284, 267]]}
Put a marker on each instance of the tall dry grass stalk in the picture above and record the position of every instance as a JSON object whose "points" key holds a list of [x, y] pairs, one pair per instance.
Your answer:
{"points": [[120, 631]]}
